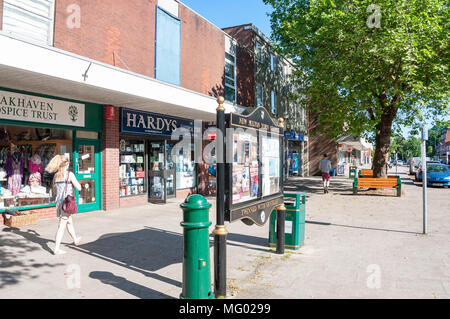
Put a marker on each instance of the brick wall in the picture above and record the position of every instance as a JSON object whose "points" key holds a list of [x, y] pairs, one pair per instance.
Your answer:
{"points": [[123, 34], [245, 64], [243, 35], [202, 54], [133, 200], [46, 213], [114, 32], [319, 144], [110, 162]]}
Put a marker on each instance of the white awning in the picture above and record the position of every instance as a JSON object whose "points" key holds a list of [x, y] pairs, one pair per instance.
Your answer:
{"points": [[353, 141], [47, 70]]}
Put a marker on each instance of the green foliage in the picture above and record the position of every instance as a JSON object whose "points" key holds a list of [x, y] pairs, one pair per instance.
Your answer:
{"points": [[362, 65], [434, 136], [405, 148]]}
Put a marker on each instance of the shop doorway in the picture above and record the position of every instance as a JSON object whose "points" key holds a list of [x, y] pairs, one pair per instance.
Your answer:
{"points": [[87, 170], [161, 170]]}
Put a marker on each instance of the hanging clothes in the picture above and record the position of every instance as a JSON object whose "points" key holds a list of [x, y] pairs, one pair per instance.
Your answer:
{"points": [[35, 169], [14, 168]]}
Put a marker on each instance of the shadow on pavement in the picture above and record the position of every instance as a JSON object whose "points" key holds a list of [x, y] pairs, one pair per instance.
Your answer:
{"points": [[14, 265], [132, 288], [146, 251], [315, 185], [359, 227], [234, 239]]}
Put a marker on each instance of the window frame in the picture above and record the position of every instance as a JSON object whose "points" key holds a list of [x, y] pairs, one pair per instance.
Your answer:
{"points": [[262, 94], [259, 52], [50, 18], [232, 63], [273, 102]]}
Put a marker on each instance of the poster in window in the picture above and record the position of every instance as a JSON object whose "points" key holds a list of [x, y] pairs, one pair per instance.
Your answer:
{"points": [[245, 167], [271, 165]]}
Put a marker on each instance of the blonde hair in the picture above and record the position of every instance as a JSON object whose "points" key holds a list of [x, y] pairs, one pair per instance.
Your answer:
{"points": [[57, 165]]}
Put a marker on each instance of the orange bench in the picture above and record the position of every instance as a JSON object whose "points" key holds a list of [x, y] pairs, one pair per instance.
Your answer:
{"points": [[369, 173], [365, 173], [370, 182]]}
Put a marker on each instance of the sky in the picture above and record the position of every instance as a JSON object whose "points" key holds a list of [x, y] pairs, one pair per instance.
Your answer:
{"points": [[227, 13]]}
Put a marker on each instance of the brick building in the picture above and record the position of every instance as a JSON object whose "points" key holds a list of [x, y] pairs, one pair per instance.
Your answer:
{"points": [[443, 148], [263, 77], [106, 83]]}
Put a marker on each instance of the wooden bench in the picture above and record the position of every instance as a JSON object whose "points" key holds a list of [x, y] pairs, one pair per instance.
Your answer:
{"points": [[370, 182], [369, 173], [365, 173]]}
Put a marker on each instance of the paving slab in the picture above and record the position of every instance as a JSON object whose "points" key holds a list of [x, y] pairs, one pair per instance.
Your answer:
{"points": [[356, 246]]}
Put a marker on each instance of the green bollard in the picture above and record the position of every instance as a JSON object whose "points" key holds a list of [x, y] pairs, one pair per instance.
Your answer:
{"points": [[196, 267]]}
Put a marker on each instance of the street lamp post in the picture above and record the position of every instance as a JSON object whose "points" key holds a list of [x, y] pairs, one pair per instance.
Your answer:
{"points": [[220, 232], [424, 177]]}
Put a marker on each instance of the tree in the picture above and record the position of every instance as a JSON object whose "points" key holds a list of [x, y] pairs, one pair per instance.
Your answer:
{"points": [[434, 137], [365, 67]]}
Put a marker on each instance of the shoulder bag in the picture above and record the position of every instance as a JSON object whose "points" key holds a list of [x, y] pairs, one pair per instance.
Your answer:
{"points": [[70, 204]]}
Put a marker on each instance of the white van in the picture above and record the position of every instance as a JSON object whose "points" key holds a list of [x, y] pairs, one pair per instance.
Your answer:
{"points": [[414, 164]]}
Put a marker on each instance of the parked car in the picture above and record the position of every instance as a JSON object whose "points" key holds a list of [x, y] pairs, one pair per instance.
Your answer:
{"points": [[399, 163], [413, 165], [418, 177], [438, 175]]}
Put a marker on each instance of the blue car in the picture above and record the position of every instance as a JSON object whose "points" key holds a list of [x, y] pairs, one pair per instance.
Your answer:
{"points": [[437, 174]]}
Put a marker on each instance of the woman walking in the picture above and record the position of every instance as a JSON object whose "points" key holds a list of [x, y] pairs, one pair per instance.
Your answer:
{"points": [[62, 185]]}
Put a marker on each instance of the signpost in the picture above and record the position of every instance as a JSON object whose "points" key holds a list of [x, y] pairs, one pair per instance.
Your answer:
{"points": [[254, 169], [424, 177], [250, 178]]}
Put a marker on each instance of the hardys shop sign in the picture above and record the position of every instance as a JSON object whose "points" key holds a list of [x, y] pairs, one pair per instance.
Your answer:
{"points": [[139, 122], [29, 108]]}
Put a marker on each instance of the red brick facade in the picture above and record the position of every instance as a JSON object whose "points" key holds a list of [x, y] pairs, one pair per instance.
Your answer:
{"points": [[202, 54], [119, 32], [245, 64], [122, 33], [110, 162], [319, 144]]}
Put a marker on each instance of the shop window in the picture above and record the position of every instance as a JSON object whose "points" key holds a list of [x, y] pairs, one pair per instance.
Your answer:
{"points": [[186, 175], [30, 19], [24, 154], [132, 167]]}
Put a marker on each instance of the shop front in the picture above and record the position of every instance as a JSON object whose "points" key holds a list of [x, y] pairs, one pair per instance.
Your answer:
{"points": [[353, 154], [294, 146], [33, 129], [149, 167]]}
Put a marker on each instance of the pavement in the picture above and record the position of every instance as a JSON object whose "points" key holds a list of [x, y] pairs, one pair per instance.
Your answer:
{"points": [[368, 245]]}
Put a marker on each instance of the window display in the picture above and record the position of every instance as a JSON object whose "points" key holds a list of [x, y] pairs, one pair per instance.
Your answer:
{"points": [[270, 152], [24, 154], [132, 167], [186, 176], [245, 167]]}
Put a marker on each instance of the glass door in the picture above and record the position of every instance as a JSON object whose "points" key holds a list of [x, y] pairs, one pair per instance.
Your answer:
{"points": [[156, 169], [87, 170], [169, 173]]}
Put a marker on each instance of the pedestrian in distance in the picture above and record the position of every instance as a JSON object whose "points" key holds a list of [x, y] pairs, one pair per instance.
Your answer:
{"points": [[63, 183], [325, 167]]}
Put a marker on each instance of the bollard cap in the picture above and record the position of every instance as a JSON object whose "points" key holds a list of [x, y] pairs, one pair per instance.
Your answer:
{"points": [[196, 201]]}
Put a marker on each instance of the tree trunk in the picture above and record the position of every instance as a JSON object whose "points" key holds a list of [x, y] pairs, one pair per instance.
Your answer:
{"points": [[382, 144]]}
